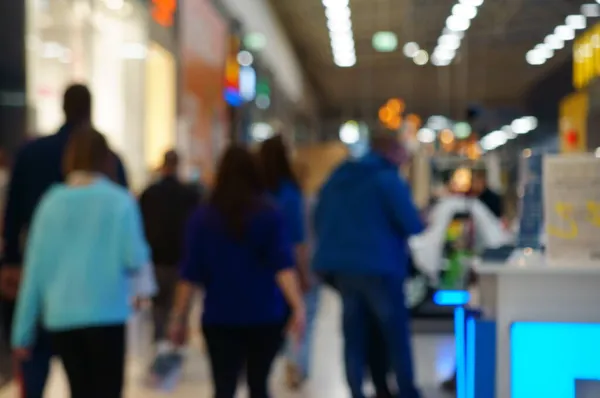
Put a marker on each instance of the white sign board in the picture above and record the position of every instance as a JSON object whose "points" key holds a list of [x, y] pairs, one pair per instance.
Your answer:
{"points": [[571, 186]]}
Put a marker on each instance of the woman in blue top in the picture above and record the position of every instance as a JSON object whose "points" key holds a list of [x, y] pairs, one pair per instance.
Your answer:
{"points": [[284, 187], [85, 243], [236, 249]]}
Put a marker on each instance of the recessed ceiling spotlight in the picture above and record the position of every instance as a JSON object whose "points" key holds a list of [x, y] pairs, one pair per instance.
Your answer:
{"points": [[457, 24], [535, 57], [464, 11], [410, 49], [436, 60], [449, 41], [421, 58]]}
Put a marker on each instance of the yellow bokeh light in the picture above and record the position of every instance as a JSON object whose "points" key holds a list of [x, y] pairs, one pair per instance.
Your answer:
{"points": [[461, 180], [395, 123], [473, 151]]}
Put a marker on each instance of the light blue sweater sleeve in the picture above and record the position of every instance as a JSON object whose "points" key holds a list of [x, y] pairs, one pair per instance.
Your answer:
{"points": [[136, 250], [29, 303]]}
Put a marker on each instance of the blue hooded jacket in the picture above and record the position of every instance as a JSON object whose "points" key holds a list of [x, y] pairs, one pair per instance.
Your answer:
{"points": [[363, 219]]}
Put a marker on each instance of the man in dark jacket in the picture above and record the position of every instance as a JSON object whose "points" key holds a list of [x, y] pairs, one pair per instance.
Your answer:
{"points": [[166, 206], [363, 219], [37, 167]]}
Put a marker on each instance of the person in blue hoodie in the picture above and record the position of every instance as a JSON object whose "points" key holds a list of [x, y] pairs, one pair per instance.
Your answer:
{"points": [[37, 166], [85, 244], [364, 216]]}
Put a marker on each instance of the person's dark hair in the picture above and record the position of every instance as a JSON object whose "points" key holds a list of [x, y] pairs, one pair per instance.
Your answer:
{"points": [[238, 189], [88, 150], [275, 163], [171, 160], [77, 104]]}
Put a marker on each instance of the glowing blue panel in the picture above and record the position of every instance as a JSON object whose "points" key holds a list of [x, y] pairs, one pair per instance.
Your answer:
{"points": [[233, 97], [459, 334], [547, 359], [452, 298]]}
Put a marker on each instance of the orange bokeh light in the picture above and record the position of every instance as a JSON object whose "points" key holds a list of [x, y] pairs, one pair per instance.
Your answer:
{"points": [[396, 105], [447, 137], [414, 119], [395, 123], [385, 114]]}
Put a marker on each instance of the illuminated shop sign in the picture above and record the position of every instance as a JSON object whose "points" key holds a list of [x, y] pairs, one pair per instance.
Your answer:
{"points": [[163, 12], [586, 57]]}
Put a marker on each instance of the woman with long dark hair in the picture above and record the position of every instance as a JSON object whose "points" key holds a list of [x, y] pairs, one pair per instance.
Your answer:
{"points": [[85, 243], [283, 185], [237, 251]]}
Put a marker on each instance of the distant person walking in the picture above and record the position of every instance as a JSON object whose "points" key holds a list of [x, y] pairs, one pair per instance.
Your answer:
{"points": [[363, 219], [237, 251], [284, 188], [38, 165], [85, 244], [166, 206]]}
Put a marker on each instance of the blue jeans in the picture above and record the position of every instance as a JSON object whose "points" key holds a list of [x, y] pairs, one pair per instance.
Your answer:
{"points": [[299, 353], [384, 298]]}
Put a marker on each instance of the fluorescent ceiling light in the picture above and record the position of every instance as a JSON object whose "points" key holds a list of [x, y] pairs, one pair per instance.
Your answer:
{"points": [[554, 42], [510, 134], [564, 32], [590, 10], [457, 24], [437, 61], [520, 126], [449, 41], [576, 22], [344, 25], [410, 49], [444, 53], [426, 135], [545, 51], [535, 57], [385, 41], [338, 14], [421, 57], [464, 11]]}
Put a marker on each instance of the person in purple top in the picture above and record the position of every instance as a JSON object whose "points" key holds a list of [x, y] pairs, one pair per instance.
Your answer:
{"points": [[237, 250]]}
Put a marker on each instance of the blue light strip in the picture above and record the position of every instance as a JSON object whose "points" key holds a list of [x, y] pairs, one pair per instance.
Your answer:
{"points": [[459, 332], [451, 298], [470, 359]]}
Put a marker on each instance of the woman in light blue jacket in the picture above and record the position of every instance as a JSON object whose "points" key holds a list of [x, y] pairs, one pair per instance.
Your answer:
{"points": [[85, 243]]}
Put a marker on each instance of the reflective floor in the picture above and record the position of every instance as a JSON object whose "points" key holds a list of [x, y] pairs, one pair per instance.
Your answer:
{"points": [[434, 357]]}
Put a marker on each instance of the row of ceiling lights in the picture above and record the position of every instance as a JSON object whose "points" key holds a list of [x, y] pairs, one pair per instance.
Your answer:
{"points": [[556, 40], [501, 136], [456, 25], [339, 24]]}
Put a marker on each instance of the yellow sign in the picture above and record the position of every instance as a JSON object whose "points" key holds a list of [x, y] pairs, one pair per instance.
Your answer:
{"points": [[573, 115], [586, 57], [565, 211]]}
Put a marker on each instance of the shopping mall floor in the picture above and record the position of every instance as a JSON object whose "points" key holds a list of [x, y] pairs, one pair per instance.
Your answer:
{"points": [[434, 356]]}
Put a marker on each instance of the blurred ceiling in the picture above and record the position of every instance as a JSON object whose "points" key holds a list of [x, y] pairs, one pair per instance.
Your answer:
{"points": [[489, 70]]}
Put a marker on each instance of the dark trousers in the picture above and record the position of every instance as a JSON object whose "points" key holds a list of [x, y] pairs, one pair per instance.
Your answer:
{"points": [[384, 298], [166, 279], [232, 348], [34, 371], [94, 360], [377, 358]]}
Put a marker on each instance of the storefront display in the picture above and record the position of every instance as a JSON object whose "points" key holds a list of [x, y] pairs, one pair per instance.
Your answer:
{"points": [[98, 43], [203, 117]]}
